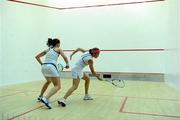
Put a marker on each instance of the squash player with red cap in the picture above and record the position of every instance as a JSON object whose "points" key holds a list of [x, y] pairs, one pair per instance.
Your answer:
{"points": [[77, 72]]}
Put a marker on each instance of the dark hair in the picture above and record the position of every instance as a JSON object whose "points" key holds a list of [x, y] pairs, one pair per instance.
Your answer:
{"points": [[90, 50], [52, 42]]}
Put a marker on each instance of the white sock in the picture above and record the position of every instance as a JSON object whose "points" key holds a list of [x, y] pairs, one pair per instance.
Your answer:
{"points": [[62, 99]]}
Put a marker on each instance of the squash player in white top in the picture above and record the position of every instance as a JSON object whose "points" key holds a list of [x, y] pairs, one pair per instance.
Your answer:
{"points": [[80, 64], [50, 70], [85, 60]]}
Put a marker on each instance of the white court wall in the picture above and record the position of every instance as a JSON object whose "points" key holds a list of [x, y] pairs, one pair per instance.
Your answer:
{"points": [[27, 27], [24, 35], [1, 12], [119, 27], [172, 76]]}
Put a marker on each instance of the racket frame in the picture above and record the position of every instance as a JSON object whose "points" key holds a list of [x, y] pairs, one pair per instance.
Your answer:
{"points": [[60, 66], [113, 79]]}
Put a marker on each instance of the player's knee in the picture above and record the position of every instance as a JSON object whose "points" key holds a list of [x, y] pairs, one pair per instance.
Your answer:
{"points": [[58, 87], [75, 87], [48, 82], [87, 81]]}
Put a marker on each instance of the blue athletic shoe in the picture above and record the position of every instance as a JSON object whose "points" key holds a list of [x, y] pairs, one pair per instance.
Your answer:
{"points": [[46, 102]]}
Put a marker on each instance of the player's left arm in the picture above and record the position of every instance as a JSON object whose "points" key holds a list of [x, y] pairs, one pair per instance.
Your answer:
{"points": [[77, 50]]}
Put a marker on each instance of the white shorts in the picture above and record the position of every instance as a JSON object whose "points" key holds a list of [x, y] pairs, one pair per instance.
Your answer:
{"points": [[49, 70], [76, 73]]}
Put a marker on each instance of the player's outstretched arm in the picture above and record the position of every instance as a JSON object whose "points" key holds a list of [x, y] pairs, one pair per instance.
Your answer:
{"points": [[77, 50], [90, 62]]}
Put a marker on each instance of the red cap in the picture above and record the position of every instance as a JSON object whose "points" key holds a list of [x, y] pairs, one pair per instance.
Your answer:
{"points": [[96, 51]]}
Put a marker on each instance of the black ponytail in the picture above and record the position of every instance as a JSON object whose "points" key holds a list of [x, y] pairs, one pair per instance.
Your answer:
{"points": [[52, 42], [90, 51]]}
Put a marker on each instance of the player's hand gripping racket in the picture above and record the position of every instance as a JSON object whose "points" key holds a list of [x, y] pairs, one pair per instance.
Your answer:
{"points": [[116, 82]]}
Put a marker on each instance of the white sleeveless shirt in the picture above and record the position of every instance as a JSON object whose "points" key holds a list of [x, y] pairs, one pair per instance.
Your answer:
{"points": [[83, 61], [51, 56]]}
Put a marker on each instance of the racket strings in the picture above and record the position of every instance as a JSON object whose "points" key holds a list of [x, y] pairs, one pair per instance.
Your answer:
{"points": [[60, 67], [118, 83]]}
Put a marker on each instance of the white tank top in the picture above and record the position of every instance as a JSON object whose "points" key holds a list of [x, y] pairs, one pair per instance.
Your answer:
{"points": [[51, 56], [83, 61]]}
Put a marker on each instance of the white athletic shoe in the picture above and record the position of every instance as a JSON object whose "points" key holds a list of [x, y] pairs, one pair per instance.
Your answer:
{"points": [[62, 102], [87, 97], [46, 102]]}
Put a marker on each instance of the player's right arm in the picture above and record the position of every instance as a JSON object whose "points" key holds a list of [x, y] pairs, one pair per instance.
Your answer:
{"points": [[41, 54], [65, 58], [77, 50]]}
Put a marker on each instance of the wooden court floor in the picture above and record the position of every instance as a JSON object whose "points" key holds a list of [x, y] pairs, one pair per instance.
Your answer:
{"points": [[137, 101]]}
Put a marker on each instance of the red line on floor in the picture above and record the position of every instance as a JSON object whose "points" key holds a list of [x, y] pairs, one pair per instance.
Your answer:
{"points": [[120, 110], [21, 114], [150, 114], [123, 104], [28, 111], [88, 6]]}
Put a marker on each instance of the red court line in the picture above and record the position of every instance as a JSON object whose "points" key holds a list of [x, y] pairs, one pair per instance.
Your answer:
{"points": [[26, 112], [150, 114], [21, 114], [120, 110], [125, 50], [88, 6], [123, 104]]}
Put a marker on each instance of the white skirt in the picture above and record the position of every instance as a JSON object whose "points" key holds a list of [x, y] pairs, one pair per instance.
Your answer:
{"points": [[49, 70], [76, 73]]}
